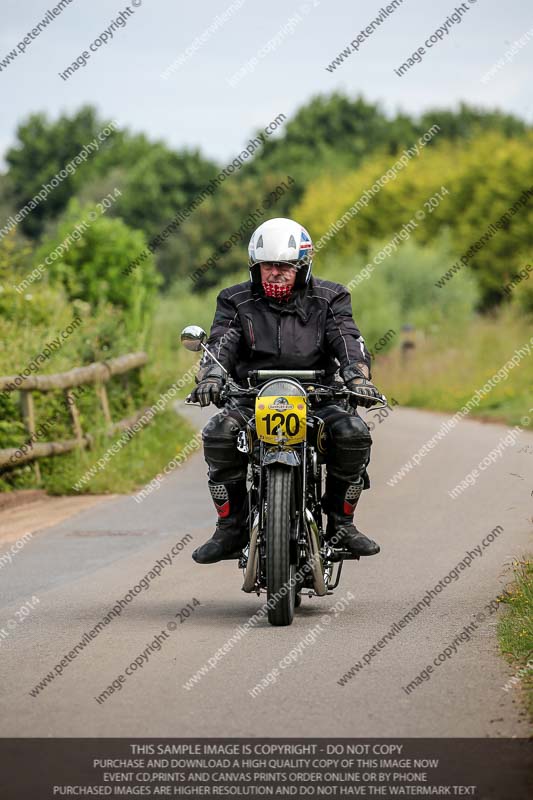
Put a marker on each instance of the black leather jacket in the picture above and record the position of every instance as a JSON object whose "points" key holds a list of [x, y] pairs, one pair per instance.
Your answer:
{"points": [[313, 330]]}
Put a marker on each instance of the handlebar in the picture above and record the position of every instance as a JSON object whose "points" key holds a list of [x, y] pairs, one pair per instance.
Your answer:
{"points": [[233, 390]]}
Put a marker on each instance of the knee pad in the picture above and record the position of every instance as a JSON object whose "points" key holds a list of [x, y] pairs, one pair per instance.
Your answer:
{"points": [[225, 462], [350, 426], [349, 446], [221, 427]]}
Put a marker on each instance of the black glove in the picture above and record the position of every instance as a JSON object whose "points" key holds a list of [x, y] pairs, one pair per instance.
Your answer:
{"points": [[363, 387], [207, 391]]}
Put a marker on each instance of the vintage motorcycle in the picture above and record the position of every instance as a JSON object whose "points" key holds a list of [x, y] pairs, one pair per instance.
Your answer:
{"points": [[287, 553]]}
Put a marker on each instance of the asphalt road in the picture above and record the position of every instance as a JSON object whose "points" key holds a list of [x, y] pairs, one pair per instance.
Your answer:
{"points": [[76, 571]]}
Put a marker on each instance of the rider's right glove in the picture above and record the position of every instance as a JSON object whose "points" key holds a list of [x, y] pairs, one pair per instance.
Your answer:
{"points": [[207, 391]]}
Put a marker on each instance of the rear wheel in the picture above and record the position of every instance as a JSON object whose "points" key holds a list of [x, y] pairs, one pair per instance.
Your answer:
{"points": [[280, 519]]}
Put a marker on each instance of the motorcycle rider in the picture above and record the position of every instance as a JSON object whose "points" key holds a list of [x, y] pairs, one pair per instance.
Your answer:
{"points": [[284, 317]]}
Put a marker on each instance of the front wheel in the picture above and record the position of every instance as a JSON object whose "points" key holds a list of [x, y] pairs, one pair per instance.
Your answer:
{"points": [[280, 518]]}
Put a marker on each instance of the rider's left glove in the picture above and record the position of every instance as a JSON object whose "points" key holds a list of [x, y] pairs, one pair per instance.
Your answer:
{"points": [[369, 394], [207, 391], [363, 387]]}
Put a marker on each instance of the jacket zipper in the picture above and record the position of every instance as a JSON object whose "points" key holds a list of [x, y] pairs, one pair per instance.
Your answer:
{"points": [[319, 330], [251, 329], [279, 334]]}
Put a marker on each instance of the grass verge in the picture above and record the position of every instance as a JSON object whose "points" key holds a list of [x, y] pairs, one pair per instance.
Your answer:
{"points": [[515, 631], [134, 465], [446, 368]]}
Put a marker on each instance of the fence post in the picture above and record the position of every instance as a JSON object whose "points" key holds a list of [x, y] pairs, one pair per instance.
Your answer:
{"points": [[28, 413], [75, 414], [101, 391], [408, 343]]}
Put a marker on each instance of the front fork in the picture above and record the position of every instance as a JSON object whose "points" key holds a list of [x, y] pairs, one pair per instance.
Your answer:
{"points": [[305, 545]]}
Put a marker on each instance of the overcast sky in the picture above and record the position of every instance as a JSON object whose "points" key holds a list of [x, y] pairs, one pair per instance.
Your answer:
{"points": [[197, 107]]}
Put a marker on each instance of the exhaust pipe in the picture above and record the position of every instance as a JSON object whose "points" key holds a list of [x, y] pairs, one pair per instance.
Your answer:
{"points": [[316, 561], [253, 555]]}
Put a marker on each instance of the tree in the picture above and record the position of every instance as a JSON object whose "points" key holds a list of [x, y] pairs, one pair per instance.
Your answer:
{"points": [[155, 180], [475, 199], [468, 122], [336, 133], [43, 149], [160, 184]]}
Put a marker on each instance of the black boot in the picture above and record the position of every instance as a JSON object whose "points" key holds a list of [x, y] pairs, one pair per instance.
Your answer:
{"points": [[339, 503], [231, 533]]}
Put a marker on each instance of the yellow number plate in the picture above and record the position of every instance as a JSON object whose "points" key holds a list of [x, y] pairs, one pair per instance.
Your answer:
{"points": [[285, 415]]}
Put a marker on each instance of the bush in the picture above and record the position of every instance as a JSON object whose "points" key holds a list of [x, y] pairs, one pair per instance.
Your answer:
{"points": [[401, 290], [91, 268], [31, 318], [515, 632]]}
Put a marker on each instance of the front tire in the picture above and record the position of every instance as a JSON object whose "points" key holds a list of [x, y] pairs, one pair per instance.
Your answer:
{"points": [[281, 591]]}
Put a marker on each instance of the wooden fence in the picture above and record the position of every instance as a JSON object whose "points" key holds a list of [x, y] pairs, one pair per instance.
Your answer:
{"points": [[98, 374]]}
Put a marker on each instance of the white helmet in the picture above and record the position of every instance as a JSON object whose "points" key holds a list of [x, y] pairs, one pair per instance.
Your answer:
{"points": [[282, 240]]}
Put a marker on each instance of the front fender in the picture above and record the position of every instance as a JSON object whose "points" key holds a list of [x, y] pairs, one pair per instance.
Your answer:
{"points": [[288, 457]]}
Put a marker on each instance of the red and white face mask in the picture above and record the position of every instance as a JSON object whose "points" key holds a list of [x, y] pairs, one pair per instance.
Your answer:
{"points": [[277, 291]]}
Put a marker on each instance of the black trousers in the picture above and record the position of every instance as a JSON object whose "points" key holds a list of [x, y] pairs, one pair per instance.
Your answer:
{"points": [[342, 439]]}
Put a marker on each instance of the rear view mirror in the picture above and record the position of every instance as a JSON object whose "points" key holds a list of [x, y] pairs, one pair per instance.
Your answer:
{"points": [[193, 337]]}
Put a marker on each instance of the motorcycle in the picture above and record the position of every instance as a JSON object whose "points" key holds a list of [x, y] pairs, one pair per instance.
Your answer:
{"points": [[287, 553]]}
